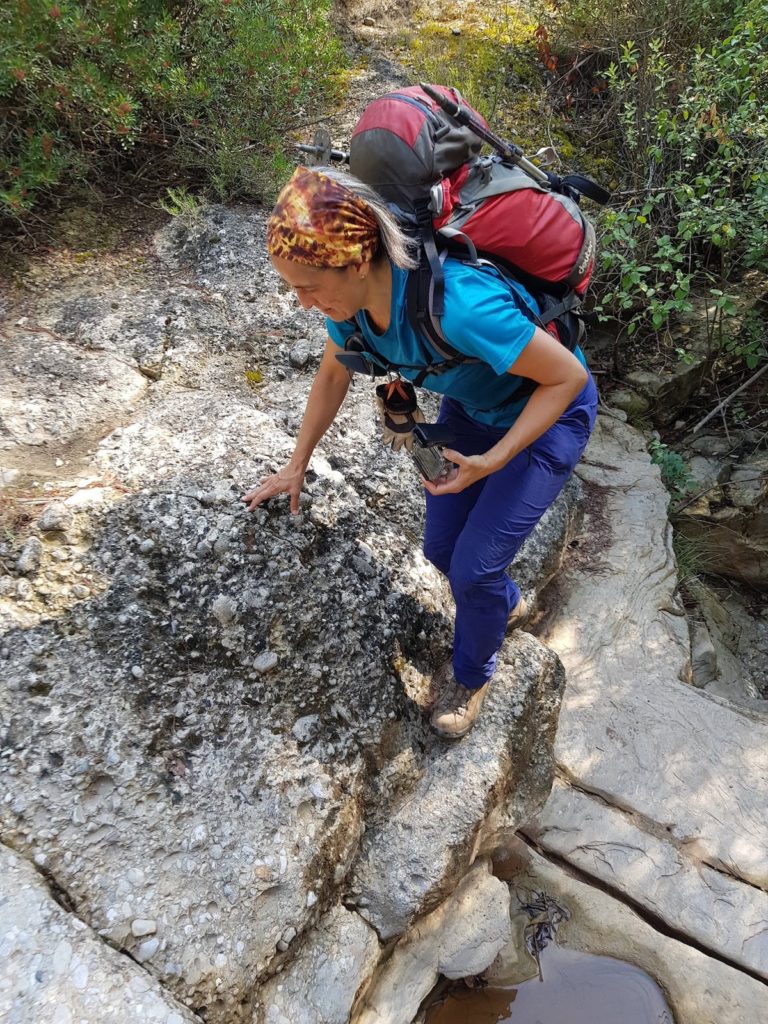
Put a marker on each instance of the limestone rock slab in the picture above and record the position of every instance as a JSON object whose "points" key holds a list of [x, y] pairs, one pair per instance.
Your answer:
{"points": [[716, 910], [630, 730], [413, 859], [699, 989], [663, 787], [56, 971], [459, 939]]}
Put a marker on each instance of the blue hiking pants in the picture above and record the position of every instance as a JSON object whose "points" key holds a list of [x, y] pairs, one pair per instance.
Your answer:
{"points": [[473, 536]]}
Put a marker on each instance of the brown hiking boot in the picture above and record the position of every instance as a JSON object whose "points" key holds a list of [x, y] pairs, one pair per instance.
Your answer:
{"points": [[519, 615], [457, 707]]}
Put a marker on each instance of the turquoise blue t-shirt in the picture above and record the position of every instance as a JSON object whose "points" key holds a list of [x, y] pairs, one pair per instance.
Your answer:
{"points": [[483, 318]]}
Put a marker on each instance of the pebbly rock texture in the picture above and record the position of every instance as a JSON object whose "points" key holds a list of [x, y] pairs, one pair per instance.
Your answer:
{"points": [[337, 959], [415, 857], [55, 971], [58, 394], [662, 788], [732, 634], [212, 720]]}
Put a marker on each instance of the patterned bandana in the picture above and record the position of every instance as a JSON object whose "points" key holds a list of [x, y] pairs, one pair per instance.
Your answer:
{"points": [[320, 222]]}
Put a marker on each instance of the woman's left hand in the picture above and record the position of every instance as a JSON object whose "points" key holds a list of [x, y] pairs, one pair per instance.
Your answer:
{"points": [[468, 469]]}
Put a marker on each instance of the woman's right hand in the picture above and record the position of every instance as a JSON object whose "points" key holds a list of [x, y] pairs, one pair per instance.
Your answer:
{"points": [[288, 479]]}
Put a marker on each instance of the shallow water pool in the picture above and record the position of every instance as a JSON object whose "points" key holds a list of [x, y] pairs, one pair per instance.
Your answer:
{"points": [[578, 988]]}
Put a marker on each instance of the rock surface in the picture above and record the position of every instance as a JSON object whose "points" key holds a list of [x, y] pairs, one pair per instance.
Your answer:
{"points": [[459, 939], [419, 851], [729, 524], [700, 990], [663, 788], [212, 720], [320, 986], [56, 971]]}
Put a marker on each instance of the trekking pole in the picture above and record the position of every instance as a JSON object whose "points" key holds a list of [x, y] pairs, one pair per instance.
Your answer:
{"points": [[317, 151], [508, 150], [321, 150]]}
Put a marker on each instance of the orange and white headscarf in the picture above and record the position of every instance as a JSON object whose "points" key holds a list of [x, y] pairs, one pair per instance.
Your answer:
{"points": [[319, 222]]}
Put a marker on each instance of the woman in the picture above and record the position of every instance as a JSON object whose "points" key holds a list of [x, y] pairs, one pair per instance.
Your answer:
{"points": [[332, 239]]}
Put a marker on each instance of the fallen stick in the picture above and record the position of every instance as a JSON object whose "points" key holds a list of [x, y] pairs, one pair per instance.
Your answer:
{"points": [[725, 401]]}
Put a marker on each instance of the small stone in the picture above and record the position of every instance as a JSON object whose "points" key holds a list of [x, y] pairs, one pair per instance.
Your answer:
{"points": [[369, 22], [147, 950], [298, 357], [456, 31], [265, 662], [137, 671], [55, 517], [305, 728], [146, 546], [79, 591], [142, 926], [9, 476], [31, 556], [224, 609], [311, 899]]}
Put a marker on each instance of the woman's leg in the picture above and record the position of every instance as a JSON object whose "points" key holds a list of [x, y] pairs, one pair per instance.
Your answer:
{"points": [[502, 515]]}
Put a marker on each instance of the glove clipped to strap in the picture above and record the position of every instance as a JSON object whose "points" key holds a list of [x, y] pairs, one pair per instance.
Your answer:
{"points": [[399, 412]]}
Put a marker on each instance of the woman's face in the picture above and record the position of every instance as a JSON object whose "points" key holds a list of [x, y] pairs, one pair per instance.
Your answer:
{"points": [[337, 292]]}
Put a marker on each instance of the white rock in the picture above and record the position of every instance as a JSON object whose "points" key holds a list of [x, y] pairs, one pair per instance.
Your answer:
{"points": [[30, 557], [224, 609], [667, 879], [700, 990], [683, 776], [461, 938], [142, 926], [319, 986], [147, 950], [265, 662], [305, 728], [56, 516], [57, 971]]}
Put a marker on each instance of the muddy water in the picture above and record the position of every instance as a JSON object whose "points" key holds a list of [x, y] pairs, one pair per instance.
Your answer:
{"points": [[577, 989]]}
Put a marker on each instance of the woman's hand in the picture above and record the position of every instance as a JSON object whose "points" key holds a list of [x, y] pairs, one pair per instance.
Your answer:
{"points": [[288, 479], [468, 469]]}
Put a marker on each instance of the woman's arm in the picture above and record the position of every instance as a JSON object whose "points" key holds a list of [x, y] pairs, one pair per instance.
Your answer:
{"points": [[328, 391], [560, 377]]}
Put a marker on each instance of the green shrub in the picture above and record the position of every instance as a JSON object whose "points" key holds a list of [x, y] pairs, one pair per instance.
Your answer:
{"points": [[695, 143], [683, 90], [207, 89], [674, 472]]}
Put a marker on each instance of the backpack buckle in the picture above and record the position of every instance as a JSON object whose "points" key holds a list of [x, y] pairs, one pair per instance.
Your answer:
{"points": [[436, 199]]}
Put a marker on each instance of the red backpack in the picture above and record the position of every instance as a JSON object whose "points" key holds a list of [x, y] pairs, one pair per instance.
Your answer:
{"points": [[419, 148]]}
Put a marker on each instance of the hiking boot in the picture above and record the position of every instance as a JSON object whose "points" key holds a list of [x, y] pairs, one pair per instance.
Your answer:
{"points": [[457, 707], [519, 615]]}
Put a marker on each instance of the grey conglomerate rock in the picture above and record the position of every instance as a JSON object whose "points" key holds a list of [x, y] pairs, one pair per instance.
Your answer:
{"points": [[56, 971], [213, 730]]}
